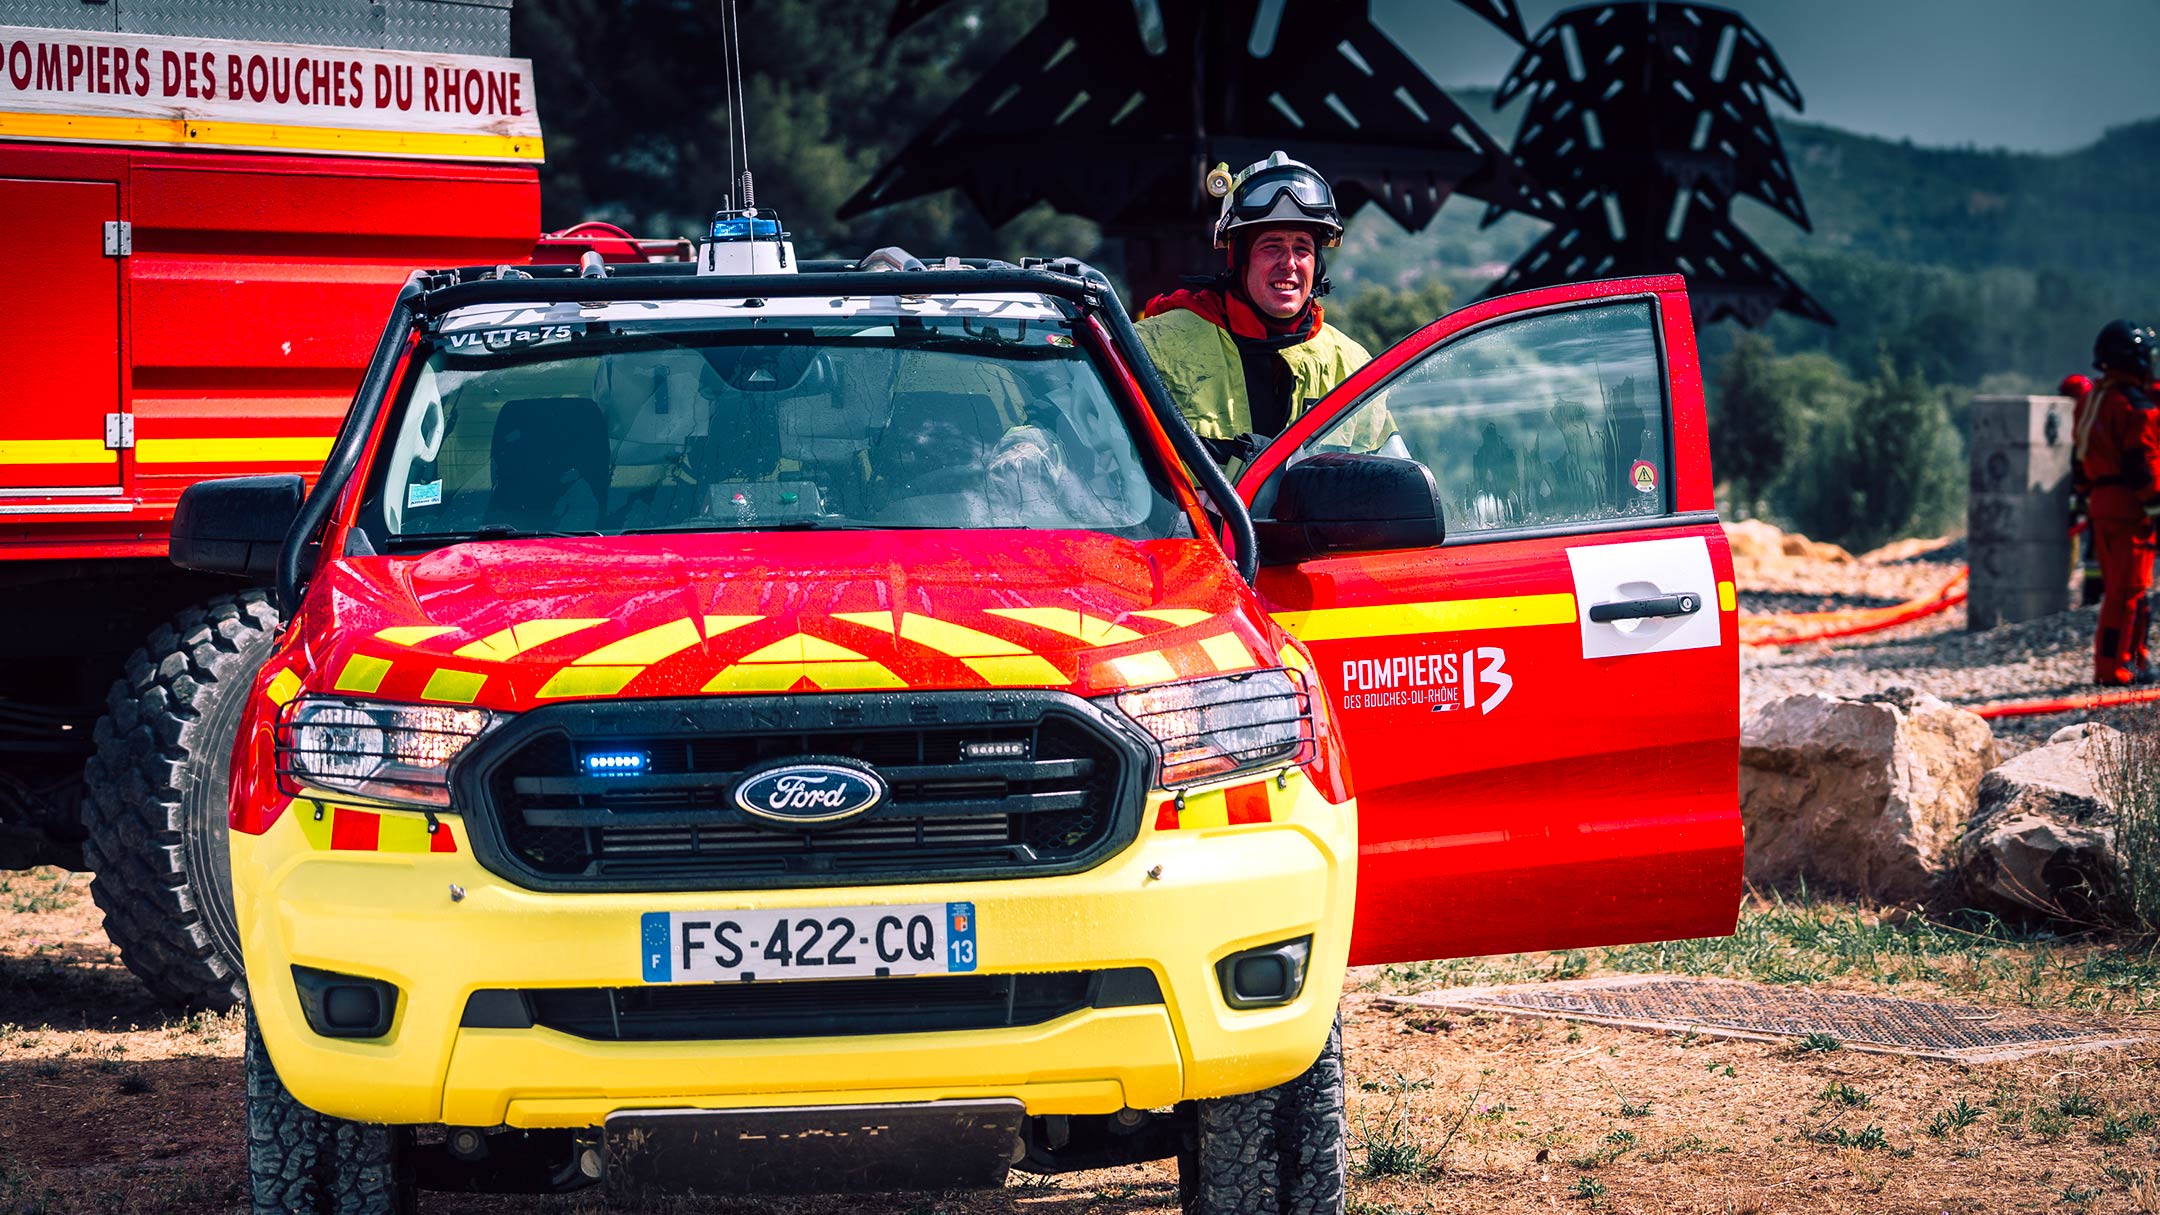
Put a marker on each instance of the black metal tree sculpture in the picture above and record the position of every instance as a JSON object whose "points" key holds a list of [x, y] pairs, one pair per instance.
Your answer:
{"points": [[1116, 114], [1645, 121]]}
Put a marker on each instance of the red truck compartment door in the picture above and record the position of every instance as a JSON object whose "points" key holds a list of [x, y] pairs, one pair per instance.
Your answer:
{"points": [[1542, 713], [62, 350]]}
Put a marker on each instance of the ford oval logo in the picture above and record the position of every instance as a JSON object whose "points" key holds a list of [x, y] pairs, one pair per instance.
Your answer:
{"points": [[806, 794]]}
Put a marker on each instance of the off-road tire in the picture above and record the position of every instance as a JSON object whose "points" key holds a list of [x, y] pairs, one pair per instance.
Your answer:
{"points": [[1281, 1151], [304, 1163], [156, 810]]}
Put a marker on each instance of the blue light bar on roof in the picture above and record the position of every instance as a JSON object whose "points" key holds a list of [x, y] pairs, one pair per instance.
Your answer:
{"points": [[615, 763], [740, 228]]}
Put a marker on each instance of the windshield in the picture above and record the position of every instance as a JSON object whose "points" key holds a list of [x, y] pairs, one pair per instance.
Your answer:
{"points": [[622, 426]]}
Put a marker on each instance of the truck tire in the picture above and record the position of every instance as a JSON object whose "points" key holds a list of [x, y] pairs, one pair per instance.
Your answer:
{"points": [[156, 813], [304, 1163], [1281, 1151]]}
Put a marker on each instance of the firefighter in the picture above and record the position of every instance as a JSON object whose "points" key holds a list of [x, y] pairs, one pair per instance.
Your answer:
{"points": [[2083, 564], [2118, 456], [1246, 352]]}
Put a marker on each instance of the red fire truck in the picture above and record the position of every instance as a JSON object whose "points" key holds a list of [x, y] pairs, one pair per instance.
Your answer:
{"points": [[211, 227]]}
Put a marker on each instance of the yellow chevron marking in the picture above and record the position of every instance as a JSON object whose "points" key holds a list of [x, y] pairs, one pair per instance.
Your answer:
{"points": [[802, 647], [1180, 617], [1146, 667], [1227, 652], [283, 687], [362, 673], [756, 677], [881, 621], [413, 634], [401, 833], [1727, 599], [518, 638], [299, 449], [646, 648], [1012, 671], [1075, 624], [716, 625], [453, 687], [862, 675], [317, 830], [587, 681], [957, 640], [1293, 660], [1444, 616]]}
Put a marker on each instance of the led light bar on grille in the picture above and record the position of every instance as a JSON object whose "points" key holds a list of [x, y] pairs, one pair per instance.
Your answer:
{"points": [[1209, 728], [616, 763]]}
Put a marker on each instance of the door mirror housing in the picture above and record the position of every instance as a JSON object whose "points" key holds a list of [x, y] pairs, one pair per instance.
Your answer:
{"points": [[1344, 502], [235, 525]]}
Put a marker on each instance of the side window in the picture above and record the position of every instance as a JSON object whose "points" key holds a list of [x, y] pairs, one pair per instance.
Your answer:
{"points": [[1548, 419]]}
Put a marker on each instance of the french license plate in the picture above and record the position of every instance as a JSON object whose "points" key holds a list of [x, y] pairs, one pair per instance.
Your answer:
{"points": [[808, 943]]}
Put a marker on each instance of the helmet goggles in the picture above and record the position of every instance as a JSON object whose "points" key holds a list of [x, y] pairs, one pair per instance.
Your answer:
{"points": [[1285, 192]]}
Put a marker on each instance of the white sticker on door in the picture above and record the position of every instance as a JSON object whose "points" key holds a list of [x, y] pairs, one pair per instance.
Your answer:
{"points": [[1469, 679], [1645, 597]]}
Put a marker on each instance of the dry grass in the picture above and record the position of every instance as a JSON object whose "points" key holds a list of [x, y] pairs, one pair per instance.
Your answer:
{"points": [[109, 1105]]}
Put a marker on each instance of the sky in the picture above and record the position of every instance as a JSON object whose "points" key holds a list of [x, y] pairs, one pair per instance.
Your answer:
{"points": [[2029, 75]]}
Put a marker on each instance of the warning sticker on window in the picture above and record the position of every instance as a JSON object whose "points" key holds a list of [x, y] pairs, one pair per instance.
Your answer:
{"points": [[1643, 477]]}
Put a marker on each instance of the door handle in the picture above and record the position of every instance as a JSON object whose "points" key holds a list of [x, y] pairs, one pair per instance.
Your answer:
{"points": [[1683, 604]]}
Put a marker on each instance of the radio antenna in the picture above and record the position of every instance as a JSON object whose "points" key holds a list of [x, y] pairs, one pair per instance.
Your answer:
{"points": [[741, 118]]}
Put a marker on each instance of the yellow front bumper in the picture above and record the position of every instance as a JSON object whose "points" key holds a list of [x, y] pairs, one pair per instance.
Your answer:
{"points": [[1175, 901]]}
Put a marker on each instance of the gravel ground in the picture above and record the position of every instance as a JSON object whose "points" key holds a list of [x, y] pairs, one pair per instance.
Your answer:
{"points": [[2034, 660]]}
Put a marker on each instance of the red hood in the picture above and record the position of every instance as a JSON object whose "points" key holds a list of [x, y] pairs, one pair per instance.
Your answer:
{"points": [[513, 624]]}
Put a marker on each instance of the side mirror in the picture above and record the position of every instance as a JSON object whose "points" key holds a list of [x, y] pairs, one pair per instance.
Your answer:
{"points": [[1342, 502], [235, 525]]}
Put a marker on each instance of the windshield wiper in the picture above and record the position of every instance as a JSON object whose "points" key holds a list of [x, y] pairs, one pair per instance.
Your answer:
{"points": [[493, 531]]}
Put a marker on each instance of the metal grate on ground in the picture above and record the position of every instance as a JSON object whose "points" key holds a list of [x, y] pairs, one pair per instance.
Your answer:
{"points": [[1734, 1009]]}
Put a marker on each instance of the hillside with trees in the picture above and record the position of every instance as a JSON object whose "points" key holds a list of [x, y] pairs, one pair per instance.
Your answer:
{"points": [[1950, 270]]}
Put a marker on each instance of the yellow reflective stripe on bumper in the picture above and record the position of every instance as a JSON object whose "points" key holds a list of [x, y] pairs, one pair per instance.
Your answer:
{"points": [[1443, 616]]}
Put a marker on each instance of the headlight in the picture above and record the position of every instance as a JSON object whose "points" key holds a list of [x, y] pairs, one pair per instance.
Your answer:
{"points": [[388, 752], [1210, 728]]}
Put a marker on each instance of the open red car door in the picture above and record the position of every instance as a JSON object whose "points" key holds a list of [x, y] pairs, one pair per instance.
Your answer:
{"points": [[1542, 712]]}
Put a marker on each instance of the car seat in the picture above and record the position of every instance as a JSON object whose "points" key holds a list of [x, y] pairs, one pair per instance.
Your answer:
{"points": [[935, 442], [549, 461]]}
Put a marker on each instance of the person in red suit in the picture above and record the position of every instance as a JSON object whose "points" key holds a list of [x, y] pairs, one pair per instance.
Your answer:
{"points": [[2118, 456], [2083, 564]]}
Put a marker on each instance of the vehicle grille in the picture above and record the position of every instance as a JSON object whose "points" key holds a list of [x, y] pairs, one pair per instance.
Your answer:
{"points": [[1066, 802], [811, 1009]]}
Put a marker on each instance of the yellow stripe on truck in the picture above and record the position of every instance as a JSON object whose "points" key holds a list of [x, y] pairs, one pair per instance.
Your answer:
{"points": [[1441, 616], [291, 449], [347, 141], [55, 451]]}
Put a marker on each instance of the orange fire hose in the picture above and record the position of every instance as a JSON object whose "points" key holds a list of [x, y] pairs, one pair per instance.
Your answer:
{"points": [[2068, 704], [1852, 621]]}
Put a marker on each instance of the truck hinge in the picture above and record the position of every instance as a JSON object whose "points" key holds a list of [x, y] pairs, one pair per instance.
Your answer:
{"points": [[119, 238], [119, 431]]}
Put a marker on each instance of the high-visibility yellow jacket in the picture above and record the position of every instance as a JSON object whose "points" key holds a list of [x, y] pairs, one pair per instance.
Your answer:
{"points": [[1199, 363]]}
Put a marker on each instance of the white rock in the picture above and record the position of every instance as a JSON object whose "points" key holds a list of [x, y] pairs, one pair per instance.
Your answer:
{"points": [[2042, 837], [1868, 795]]}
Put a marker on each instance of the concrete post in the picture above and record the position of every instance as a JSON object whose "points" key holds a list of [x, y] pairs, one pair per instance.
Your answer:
{"points": [[2018, 512]]}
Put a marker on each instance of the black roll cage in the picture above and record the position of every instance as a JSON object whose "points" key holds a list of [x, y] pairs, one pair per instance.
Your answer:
{"points": [[428, 295]]}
